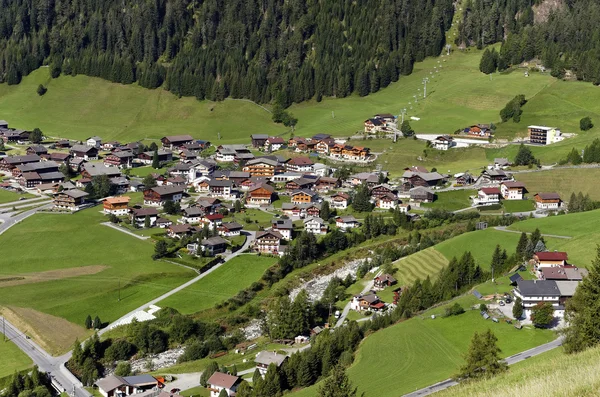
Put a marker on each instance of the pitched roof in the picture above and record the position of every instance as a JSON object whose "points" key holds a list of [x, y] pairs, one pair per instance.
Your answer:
{"points": [[145, 211], [346, 218], [276, 140], [300, 161], [75, 193], [304, 191], [111, 382], [118, 200], [223, 380], [263, 186], [259, 136], [83, 148], [513, 184], [214, 241], [267, 233], [139, 379], [567, 288], [552, 256], [538, 288], [170, 189], [267, 358], [490, 190], [179, 138], [548, 196], [282, 224]]}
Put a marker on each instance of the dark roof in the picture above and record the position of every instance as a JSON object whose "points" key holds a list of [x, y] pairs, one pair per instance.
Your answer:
{"points": [[223, 380], [538, 288], [305, 191], [145, 211], [300, 161], [259, 136], [513, 184], [214, 241], [83, 148], [171, 189], [178, 138], [282, 223], [273, 233], [193, 211], [548, 196], [232, 226], [515, 277]]}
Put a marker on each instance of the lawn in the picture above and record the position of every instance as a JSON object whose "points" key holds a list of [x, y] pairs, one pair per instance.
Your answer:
{"points": [[563, 182], [221, 284], [255, 217], [13, 359], [7, 196], [518, 205], [115, 264], [195, 392], [424, 263], [452, 200]]}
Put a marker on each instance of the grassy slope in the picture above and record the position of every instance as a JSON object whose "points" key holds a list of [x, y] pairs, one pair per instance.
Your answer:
{"points": [[13, 359], [8, 196], [452, 200], [563, 182], [220, 285], [46, 242], [420, 265]]}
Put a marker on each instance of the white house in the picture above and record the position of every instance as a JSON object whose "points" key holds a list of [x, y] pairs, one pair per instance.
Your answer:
{"points": [[339, 201], [512, 190], [320, 169], [443, 142], [547, 201], [265, 358], [533, 292], [219, 381], [543, 135], [285, 227], [346, 222], [122, 386], [192, 215], [230, 229], [94, 141], [315, 225], [386, 201], [488, 196]]}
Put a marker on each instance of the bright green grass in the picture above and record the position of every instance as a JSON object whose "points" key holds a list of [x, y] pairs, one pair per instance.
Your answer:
{"points": [[576, 224], [257, 219], [8, 196], [141, 172], [563, 182], [195, 392], [49, 241], [13, 359], [518, 205], [221, 284], [452, 200], [79, 107], [424, 263]]}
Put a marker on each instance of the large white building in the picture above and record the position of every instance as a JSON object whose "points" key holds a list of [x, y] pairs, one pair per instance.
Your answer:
{"points": [[556, 293], [542, 135]]}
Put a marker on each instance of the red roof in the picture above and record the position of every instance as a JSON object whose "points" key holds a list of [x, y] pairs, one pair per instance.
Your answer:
{"points": [[490, 190], [214, 217], [300, 161], [379, 305], [513, 184], [552, 256]]}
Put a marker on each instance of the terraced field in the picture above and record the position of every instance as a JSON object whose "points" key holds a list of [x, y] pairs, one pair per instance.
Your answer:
{"points": [[424, 263]]}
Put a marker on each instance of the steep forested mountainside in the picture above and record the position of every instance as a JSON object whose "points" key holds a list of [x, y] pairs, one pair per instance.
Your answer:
{"points": [[565, 36], [264, 50]]}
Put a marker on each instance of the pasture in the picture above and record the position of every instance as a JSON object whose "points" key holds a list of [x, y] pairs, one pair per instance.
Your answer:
{"points": [[220, 285], [7, 196], [13, 359], [452, 200], [424, 263], [563, 182]]}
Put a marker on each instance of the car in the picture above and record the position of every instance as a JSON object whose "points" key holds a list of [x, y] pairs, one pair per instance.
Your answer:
{"points": [[175, 390], [21, 198], [501, 303], [508, 300]]}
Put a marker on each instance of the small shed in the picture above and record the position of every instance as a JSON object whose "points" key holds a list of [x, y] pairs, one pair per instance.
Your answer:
{"points": [[485, 315]]}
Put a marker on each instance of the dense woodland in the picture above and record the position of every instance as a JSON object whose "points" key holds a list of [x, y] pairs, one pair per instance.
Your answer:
{"points": [[264, 50], [568, 39]]}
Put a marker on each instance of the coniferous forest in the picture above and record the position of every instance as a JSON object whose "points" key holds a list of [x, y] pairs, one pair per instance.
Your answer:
{"points": [[264, 50]]}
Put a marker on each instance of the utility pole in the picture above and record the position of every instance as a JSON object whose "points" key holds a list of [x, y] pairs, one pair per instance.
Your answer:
{"points": [[425, 81], [4, 328], [119, 289]]}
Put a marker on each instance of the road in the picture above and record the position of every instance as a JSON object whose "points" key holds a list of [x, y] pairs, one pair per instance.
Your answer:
{"points": [[515, 358], [122, 230], [346, 310], [8, 220], [504, 229]]}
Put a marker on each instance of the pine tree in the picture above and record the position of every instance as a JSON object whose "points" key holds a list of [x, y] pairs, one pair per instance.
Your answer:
{"points": [[517, 310], [483, 357], [524, 156], [244, 390], [97, 323], [535, 237], [155, 160], [361, 201], [406, 129], [337, 385], [522, 246], [325, 213], [585, 124], [88, 322], [147, 222]]}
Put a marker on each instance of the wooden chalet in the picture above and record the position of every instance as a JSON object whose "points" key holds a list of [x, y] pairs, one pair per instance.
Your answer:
{"points": [[303, 196], [122, 159], [8, 163], [268, 242], [84, 152], [161, 194], [175, 141], [36, 149], [261, 194], [259, 140], [72, 199]]}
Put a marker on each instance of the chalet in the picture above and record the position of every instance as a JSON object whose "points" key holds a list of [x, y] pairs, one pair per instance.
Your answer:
{"points": [[221, 188], [212, 220], [62, 144], [122, 159], [374, 125], [7, 163], [123, 386], [159, 195], [315, 225], [425, 179], [175, 141], [303, 196], [91, 170], [533, 292], [550, 259], [73, 199], [381, 190], [233, 153], [346, 222], [76, 164], [214, 245], [266, 358], [259, 140], [512, 190], [323, 147], [421, 194], [325, 184], [3, 124], [202, 186], [268, 242], [84, 152], [220, 381], [487, 196], [293, 210], [62, 158], [261, 194], [94, 141], [479, 130], [195, 147], [208, 204], [179, 231], [463, 179], [32, 179], [285, 177], [164, 156], [138, 216], [262, 166], [443, 142], [547, 201], [14, 135], [186, 155], [311, 209], [184, 170], [192, 215], [176, 181], [230, 229], [489, 176], [321, 169], [567, 273], [285, 227], [299, 164], [339, 201], [204, 167], [370, 178], [116, 205], [348, 152], [368, 301], [110, 145], [383, 281], [273, 144], [40, 167], [36, 149], [387, 201], [300, 183], [501, 163], [163, 223]]}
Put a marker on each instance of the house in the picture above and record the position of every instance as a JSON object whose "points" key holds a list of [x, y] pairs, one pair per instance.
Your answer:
{"points": [[41, 167], [63, 144], [323, 147], [384, 280], [259, 140], [164, 156], [14, 135], [502, 163], [512, 190], [62, 158], [8, 163], [262, 166], [272, 144], [233, 153], [556, 293], [174, 141], [487, 196], [315, 225], [339, 201], [490, 176], [265, 358], [120, 183], [192, 215], [138, 216], [160, 194], [116, 205], [72, 199], [387, 201], [110, 145], [179, 231], [479, 130], [370, 178], [84, 152], [94, 141], [214, 245], [122, 386], [346, 222], [76, 164], [220, 381], [91, 170], [261, 194], [547, 201], [325, 184], [425, 179], [381, 190], [374, 125], [221, 188], [230, 229], [186, 155], [421, 194], [121, 159], [3, 124], [304, 196], [299, 184], [299, 164], [36, 149], [285, 227], [268, 242], [163, 223], [443, 142], [541, 135], [550, 259], [213, 220], [368, 301]]}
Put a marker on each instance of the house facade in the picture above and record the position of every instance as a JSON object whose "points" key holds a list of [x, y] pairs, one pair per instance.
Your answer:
{"points": [[547, 201], [512, 190], [488, 196], [315, 225], [159, 195], [268, 242], [118, 206]]}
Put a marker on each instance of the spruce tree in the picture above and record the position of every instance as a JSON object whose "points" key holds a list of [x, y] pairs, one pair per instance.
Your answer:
{"points": [[338, 385], [88, 322], [406, 129], [97, 323], [483, 357], [522, 246], [517, 310], [155, 160]]}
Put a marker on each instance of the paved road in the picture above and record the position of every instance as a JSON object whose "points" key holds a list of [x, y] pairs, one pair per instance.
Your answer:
{"points": [[504, 229], [62, 378], [8, 221], [125, 231], [346, 310], [509, 360], [18, 203]]}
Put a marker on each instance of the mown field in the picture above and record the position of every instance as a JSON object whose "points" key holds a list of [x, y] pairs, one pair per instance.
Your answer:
{"points": [[8, 196], [452, 200], [108, 263], [13, 359], [563, 182], [221, 284], [424, 263]]}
